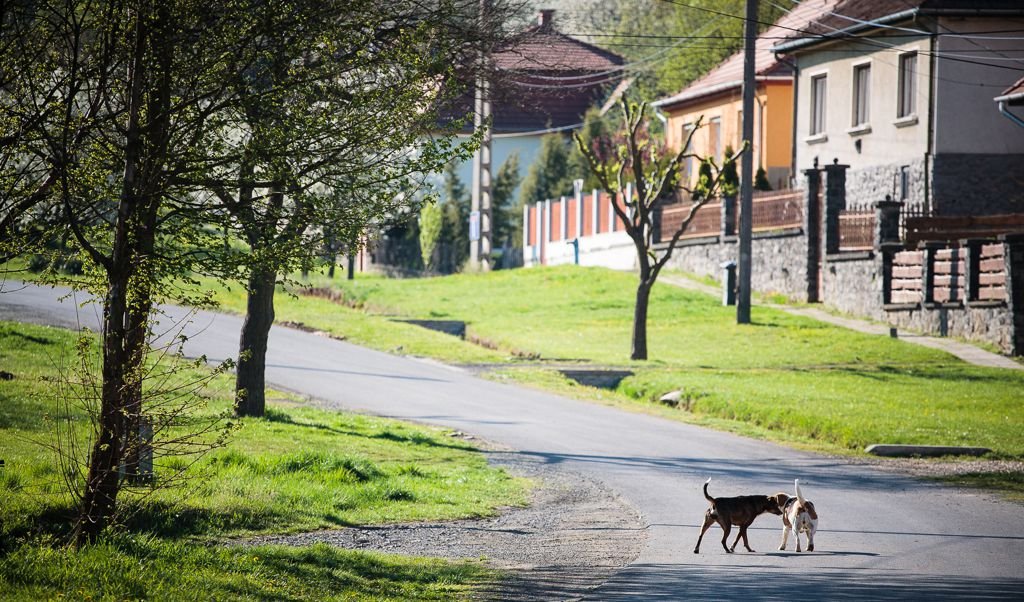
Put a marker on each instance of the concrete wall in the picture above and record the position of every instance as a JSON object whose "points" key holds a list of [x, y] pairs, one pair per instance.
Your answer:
{"points": [[978, 184], [887, 140], [967, 121]]}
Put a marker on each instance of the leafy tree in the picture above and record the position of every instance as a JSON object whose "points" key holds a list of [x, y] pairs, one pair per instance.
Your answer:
{"points": [[456, 203], [108, 111], [431, 221], [681, 40], [376, 84], [761, 180], [595, 131], [550, 176], [655, 173], [730, 177], [506, 212], [153, 134]]}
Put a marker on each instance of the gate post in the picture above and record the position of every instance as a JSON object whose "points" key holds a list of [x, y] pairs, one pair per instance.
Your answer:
{"points": [[812, 230]]}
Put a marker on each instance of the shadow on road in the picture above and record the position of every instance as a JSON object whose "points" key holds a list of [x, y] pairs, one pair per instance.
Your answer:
{"points": [[768, 471], [692, 582]]}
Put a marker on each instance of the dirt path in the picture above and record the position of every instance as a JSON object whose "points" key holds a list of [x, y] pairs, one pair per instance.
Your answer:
{"points": [[574, 535]]}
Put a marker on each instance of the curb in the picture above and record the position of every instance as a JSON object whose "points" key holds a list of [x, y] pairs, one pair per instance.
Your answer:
{"points": [[924, 450]]}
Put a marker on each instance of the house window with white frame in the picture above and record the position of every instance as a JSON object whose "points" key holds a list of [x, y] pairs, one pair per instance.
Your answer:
{"points": [[687, 170], [715, 138], [906, 105], [818, 105], [861, 94]]}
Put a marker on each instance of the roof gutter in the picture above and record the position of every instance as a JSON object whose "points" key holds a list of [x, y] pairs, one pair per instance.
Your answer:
{"points": [[712, 90], [1006, 113], [847, 32]]}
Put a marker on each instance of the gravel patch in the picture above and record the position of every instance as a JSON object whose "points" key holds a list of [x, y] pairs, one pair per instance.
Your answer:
{"points": [[921, 467], [571, 538]]}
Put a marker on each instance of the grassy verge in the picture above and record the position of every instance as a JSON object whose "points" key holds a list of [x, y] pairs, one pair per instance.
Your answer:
{"points": [[784, 377], [298, 469]]}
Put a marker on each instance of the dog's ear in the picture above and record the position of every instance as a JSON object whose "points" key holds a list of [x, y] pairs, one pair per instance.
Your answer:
{"points": [[781, 499]]}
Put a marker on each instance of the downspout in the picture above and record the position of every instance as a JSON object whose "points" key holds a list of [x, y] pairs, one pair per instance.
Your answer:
{"points": [[929, 153], [1006, 113], [793, 171]]}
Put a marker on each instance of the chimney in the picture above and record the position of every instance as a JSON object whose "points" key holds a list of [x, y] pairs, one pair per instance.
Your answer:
{"points": [[546, 17]]}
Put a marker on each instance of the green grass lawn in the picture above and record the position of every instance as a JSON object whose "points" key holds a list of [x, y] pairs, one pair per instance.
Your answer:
{"points": [[783, 377], [297, 469]]}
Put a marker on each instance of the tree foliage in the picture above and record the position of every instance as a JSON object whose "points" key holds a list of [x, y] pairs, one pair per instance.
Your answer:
{"points": [[550, 175], [431, 222], [153, 135], [672, 43]]}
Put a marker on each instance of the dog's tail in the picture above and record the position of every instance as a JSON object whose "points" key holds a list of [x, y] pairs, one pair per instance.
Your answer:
{"points": [[799, 496], [706, 495]]}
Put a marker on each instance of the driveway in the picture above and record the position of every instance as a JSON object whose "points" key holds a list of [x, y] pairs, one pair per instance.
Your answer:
{"points": [[881, 535]]}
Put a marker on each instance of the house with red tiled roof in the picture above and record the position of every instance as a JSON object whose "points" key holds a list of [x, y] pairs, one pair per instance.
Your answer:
{"points": [[546, 82], [717, 98], [903, 94]]}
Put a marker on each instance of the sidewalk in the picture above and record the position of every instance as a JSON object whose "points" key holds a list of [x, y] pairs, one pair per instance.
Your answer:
{"points": [[966, 352]]}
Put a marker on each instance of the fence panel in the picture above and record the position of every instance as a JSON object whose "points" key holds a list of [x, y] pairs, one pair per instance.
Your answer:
{"points": [[707, 221], [948, 270], [950, 228], [776, 210], [992, 273], [907, 272], [856, 230]]}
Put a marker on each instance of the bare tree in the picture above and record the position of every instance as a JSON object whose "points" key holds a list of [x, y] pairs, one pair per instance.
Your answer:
{"points": [[635, 157]]}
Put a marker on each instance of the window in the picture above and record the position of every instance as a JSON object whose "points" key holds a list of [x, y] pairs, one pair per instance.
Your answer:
{"points": [[906, 105], [818, 105], [739, 130], [715, 138], [861, 94], [687, 170]]}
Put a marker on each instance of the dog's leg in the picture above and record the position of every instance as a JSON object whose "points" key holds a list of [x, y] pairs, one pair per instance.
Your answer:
{"points": [[746, 543], [796, 531], [727, 527], [810, 539], [785, 537], [708, 520]]}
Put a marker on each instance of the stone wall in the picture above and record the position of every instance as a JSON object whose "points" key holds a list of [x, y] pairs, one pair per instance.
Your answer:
{"points": [[867, 186], [778, 260], [852, 283]]}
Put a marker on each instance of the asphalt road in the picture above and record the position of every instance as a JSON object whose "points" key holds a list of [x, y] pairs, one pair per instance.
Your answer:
{"points": [[881, 536]]}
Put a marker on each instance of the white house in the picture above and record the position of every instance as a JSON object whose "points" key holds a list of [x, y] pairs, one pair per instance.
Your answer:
{"points": [[903, 94]]}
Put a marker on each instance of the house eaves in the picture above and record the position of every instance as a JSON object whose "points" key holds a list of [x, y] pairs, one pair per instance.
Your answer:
{"points": [[844, 33], [869, 15], [700, 93], [1014, 95]]}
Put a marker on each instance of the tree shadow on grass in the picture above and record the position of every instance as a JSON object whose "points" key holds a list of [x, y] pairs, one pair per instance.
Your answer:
{"points": [[273, 415]]}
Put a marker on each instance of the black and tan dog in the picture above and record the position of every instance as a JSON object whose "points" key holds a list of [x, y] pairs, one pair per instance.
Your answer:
{"points": [[740, 511]]}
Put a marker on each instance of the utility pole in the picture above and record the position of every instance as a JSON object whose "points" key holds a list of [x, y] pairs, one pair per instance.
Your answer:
{"points": [[747, 166], [480, 207]]}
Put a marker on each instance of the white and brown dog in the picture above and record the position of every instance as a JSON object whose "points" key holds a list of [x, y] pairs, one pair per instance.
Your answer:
{"points": [[799, 515]]}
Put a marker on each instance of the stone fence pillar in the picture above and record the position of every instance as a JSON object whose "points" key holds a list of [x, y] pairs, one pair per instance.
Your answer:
{"points": [[812, 230], [835, 201], [729, 215], [887, 222], [1013, 254]]}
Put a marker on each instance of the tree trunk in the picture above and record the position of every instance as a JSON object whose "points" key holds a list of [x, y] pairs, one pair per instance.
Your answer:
{"points": [[252, 349], [643, 294]]}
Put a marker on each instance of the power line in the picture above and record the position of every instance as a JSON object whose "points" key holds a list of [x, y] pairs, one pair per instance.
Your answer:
{"points": [[847, 37]]}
